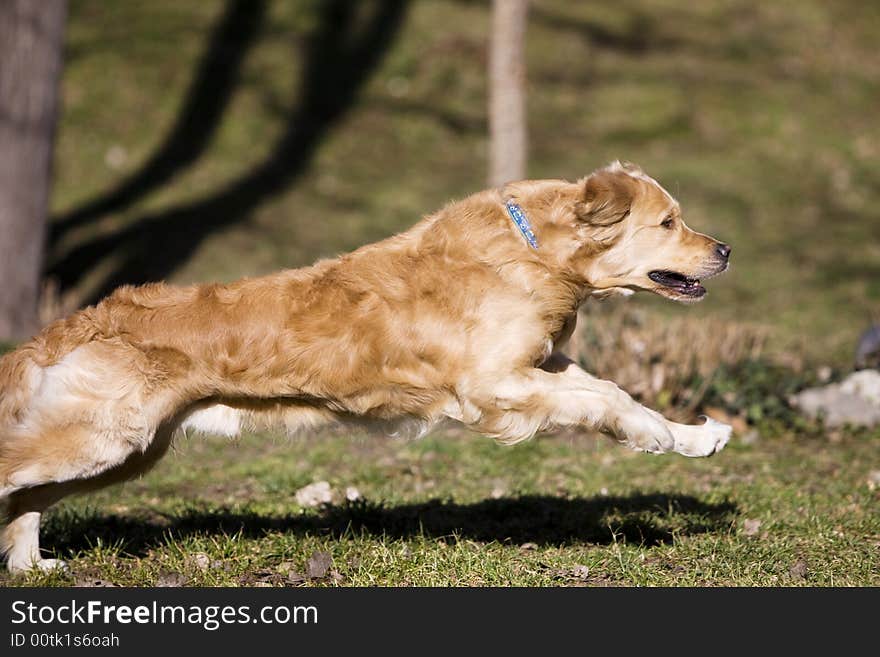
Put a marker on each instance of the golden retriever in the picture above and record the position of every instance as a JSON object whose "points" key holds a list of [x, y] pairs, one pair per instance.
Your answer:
{"points": [[460, 318]]}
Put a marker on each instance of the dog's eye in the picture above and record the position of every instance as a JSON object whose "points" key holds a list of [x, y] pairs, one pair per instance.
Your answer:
{"points": [[668, 222]]}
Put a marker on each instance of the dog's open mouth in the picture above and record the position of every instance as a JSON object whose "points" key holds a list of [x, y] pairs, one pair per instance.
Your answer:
{"points": [[684, 285]]}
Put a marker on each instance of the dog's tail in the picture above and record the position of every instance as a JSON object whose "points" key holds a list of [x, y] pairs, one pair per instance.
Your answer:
{"points": [[19, 377]]}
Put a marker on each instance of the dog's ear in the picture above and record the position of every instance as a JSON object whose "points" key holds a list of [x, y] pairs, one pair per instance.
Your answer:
{"points": [[606, 198]]}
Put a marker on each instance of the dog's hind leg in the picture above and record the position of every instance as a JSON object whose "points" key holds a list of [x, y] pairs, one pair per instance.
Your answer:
{"points": [[20, 540], [42, 481]]}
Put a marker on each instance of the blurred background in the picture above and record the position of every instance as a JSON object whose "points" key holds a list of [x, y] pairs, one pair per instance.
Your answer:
{"points": [[213, 139]]}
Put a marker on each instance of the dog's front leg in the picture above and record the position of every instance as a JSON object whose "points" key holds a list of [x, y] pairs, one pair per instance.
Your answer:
{"points": [[562, 394]]}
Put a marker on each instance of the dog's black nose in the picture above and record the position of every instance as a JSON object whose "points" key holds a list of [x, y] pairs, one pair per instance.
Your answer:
{"points": [[723, 250]]}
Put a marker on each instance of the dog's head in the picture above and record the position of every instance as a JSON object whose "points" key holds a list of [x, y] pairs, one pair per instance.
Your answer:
{"points": [[637, 239]]}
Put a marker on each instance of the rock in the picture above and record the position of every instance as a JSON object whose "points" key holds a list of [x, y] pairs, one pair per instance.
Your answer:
{"points": [[864, 384], [751, 527], [201, 561], [854, 401], [580, 572], [115, 157], [352, 494], [314, 494]]}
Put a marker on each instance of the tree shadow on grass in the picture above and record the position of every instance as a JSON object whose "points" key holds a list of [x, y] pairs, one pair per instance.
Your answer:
{"points": [[345, 48], [649, 519], [206, 102]]}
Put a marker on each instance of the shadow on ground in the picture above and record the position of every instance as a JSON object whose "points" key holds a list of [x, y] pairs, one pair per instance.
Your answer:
{"points": [[206, 102], [342, 52], [645, 519]]}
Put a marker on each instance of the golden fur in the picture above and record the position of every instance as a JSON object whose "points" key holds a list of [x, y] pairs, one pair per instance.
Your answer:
{"points": [[456, 319]]}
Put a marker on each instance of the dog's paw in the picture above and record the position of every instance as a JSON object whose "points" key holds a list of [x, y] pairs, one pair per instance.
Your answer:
{"points": [[48, 565], [644, 433], [702, 440], [45, 565]]}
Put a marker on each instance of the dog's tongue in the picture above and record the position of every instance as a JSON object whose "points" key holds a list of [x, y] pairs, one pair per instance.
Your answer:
{"points": [[683, 284]]}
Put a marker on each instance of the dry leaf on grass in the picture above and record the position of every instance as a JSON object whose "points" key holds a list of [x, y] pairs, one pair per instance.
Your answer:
{"points": [[798, 569], [93, 582], [169, 580], [319, 564]]}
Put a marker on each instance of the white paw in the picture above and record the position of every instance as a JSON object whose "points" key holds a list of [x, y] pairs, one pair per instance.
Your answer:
{"points": [[47, 565], [24, 566], [702, 440], [644, 433]]}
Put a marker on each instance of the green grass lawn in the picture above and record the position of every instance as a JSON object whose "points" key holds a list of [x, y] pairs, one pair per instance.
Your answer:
{"points": [[460, 510]]}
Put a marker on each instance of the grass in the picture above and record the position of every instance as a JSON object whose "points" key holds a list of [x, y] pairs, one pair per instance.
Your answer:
{"points": [[459, 510]]}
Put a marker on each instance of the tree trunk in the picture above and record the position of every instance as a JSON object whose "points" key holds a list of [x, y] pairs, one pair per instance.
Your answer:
{"points": [[31, 38], [507, 94]]}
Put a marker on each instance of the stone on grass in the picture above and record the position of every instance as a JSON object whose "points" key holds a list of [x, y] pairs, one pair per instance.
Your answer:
{"points": [[315, 494], [855, 401], [201, 561], [751, 526]]}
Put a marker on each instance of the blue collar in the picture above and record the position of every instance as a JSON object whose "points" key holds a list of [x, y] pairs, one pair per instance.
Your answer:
{"points": [[522, 222]]}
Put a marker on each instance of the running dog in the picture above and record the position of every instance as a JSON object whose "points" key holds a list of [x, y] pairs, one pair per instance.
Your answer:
{"points": [[461, 318]]}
